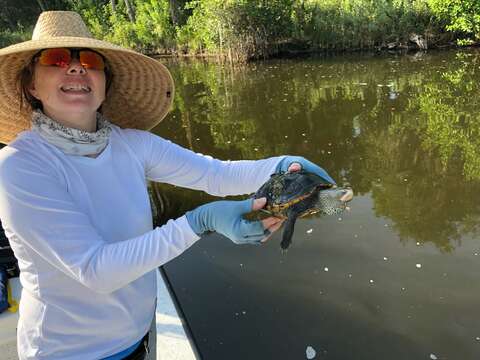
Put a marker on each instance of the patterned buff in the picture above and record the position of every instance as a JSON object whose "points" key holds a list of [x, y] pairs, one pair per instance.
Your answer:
{"points": [[72, 141]]}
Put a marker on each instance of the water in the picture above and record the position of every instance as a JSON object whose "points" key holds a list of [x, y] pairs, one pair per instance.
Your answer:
{"points": [[397, 276]]}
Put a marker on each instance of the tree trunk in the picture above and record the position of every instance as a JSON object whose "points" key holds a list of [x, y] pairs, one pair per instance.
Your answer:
{"points": [[42, 5], [114, 6], [173, 12], [130, 12]]}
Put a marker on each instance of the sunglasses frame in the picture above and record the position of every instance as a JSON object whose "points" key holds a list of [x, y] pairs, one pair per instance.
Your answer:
{"points": [[74, 54]]}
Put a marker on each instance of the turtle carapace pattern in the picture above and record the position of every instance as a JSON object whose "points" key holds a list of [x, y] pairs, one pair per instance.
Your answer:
{"points": [[291, 195]]}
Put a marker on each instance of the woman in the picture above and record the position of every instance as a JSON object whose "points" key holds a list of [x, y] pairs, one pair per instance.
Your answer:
{"points": [[73, 190]]}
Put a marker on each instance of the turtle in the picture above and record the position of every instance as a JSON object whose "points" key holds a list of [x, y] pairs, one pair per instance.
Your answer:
{"points": [[291, 195]]}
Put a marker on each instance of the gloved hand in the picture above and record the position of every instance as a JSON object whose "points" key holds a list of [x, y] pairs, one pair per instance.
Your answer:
{"points": [[285, 165], [225, 217]]}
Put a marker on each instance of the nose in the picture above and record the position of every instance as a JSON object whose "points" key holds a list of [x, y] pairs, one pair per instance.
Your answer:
{"points": [[75, 68]]}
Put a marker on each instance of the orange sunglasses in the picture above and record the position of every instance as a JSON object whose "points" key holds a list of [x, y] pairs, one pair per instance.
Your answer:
{"points": [[62, 57]]}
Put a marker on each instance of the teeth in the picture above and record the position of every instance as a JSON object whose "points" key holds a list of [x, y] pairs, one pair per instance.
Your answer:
{"points": [[74, 87]]}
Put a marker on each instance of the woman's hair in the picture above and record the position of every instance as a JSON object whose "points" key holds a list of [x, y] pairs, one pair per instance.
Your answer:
{"points": [[25, 78]]}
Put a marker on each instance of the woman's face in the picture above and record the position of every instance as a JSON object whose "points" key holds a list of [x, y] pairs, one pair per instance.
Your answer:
{"points": [[68, 91]]}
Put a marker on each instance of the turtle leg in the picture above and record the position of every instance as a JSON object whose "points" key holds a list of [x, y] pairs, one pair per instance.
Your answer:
{"points": [[287, 234]]}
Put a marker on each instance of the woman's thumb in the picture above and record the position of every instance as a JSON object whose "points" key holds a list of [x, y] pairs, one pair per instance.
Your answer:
{"points": [[259, 203]]}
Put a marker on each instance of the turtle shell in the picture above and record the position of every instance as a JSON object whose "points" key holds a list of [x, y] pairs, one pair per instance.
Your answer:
{"points": [[284, 190]]}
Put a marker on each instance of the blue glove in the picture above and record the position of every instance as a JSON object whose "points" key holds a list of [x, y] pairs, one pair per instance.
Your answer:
{"points": [[306, 165], [225, 217]]}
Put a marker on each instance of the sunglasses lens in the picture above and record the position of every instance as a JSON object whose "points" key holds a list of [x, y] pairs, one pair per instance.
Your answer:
{"points": [[57, 57], [63, 56], [91, 60]]}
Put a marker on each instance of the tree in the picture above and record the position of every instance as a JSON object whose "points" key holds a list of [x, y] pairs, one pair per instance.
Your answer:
{"points": [[130, 10], [462, 15]]}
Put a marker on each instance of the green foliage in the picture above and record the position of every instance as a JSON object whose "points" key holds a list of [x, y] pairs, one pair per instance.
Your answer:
{"points": [[242, 29], [150, 32], [245, 29], [9, 37], [153, 26], [94, 14], [363, 24], [461, 15]]}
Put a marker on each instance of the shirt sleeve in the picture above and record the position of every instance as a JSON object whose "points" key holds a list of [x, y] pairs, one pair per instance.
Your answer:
{"points": [[167, 162], [38, 212]]}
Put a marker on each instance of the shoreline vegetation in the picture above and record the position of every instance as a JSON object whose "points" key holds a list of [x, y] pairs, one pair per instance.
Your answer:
{"points": [[244, 30]]}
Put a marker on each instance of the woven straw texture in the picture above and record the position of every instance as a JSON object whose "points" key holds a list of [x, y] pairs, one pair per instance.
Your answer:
{"points": [[140, 95]]}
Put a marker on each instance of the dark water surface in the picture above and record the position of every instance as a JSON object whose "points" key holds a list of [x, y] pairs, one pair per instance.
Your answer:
{"points": [[398, 277]]}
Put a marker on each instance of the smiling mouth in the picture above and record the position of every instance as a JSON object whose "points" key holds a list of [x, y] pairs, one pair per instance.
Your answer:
{"points": [[76, 89]]}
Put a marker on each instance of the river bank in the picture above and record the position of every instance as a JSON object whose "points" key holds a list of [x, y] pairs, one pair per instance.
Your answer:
{"points": [[241, 31]]}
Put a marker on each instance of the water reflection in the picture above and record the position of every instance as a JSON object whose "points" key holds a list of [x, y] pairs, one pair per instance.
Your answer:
{"points": [[404, 130], [401, 280]]}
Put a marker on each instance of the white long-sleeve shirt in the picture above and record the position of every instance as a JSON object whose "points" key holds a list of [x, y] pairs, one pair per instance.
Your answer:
{"points": [[81, 229]]}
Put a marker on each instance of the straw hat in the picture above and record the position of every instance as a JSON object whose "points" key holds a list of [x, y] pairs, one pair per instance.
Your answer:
{"points": [[140, 95]]}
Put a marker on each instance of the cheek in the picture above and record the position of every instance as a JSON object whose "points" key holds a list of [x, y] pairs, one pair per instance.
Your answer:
{"points": [[43, 83], [100, 84]]}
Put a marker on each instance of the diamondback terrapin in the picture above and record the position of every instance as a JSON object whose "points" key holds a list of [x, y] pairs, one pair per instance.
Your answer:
{"points": [[291, 195]]}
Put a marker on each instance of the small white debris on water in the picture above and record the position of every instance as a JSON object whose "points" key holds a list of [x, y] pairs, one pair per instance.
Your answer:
{"points": [[476, 254], [418, 266], [385, 258], [477, 338], [371, 281], [228, 141], [244, 312], [325, 269], [303, 134], [340, 219], [309, 231], [243, 139], [349, 275], [241, 265], [433, 357], [256, 149], [310, 352], [355, 236], [403, 289], [286, 136], [418, 244]]}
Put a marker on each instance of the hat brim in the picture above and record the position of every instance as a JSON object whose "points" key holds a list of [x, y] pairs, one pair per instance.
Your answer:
{"points": [[140, 96]]}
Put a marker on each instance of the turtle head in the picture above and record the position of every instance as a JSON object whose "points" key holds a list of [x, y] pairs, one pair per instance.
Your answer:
{"points": [[334, 200]]}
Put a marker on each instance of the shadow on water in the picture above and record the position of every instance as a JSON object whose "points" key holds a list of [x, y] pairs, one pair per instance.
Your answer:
{"points": [[392, 278]]}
